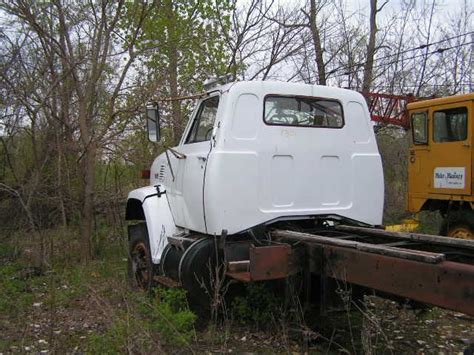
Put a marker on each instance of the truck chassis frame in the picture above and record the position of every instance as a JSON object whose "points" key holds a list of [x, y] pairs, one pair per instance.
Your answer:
{"points": [[424, 268]]}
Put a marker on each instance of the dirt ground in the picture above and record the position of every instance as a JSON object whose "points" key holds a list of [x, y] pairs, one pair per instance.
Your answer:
{"points": [[76, 309], [383, 327]]}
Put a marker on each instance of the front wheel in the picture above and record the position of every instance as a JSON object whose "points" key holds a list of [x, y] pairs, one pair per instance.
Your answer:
{"points": [[140, 266], [459, 224]]}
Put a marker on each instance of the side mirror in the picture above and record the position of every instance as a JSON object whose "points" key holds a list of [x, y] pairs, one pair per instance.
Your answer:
{"points": [[153, 122]]}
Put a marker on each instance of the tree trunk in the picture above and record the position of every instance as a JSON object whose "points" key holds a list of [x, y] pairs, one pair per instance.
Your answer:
{"points": [[59, 183], [425, 56], [173, 57], [317, 44], [87, 213], [369, 64], [175, 105]]}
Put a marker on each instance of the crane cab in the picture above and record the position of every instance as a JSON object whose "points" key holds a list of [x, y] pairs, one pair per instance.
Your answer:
{"points": [[441, 161]]}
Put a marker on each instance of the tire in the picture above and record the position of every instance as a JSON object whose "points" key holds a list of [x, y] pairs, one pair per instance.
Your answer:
{"points": [[140, 266], [458, 224]]}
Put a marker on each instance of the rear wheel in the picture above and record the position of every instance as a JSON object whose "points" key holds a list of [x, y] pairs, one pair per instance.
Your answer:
{"points": [[459, 224], [140, 266]]}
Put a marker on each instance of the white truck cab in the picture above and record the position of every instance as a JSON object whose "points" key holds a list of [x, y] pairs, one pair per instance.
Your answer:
{"points": [[257, 152]]}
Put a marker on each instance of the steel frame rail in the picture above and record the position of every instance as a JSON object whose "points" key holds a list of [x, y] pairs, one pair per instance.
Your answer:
{"points": [[414, 271]]}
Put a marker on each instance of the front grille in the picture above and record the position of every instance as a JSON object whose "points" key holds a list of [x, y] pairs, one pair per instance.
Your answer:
{"points": [[161, 173]]}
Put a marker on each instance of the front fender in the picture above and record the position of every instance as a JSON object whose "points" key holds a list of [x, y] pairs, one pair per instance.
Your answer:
{"points": [[157, 215]]}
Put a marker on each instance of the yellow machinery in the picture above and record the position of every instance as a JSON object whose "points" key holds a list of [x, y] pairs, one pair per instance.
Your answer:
{"points": [[440, 168]]}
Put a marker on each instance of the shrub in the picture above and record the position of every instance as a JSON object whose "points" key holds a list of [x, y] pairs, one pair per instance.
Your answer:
{"points": [[258, 306], [170, 315]]}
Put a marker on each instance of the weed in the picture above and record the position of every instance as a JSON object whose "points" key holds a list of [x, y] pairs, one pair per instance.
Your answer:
{"points": [[17, 284], [258, 306], [134, 327], [8, 252], [170, 315], [126, 334]]}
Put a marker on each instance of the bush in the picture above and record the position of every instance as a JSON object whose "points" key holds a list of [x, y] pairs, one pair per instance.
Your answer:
{"points": [[258, 306], [170, 315]]}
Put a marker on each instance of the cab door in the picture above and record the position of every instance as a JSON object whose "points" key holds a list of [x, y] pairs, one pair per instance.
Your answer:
{"points": [[450, 156], [418, 178], [186, 191]]}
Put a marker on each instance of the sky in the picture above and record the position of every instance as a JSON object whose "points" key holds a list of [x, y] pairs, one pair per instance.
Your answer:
{"points": [[443, 7], [354, 5]]}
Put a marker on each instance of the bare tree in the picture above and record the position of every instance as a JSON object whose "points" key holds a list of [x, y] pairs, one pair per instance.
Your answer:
{"points": [[278, 45], [316, 37], [87, 57], [371, 46], [245, 37]]}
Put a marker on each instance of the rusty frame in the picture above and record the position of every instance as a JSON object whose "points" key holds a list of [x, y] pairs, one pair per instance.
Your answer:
{"points": [[418, 275], [270, 262], [408, 273], [446, 284]]}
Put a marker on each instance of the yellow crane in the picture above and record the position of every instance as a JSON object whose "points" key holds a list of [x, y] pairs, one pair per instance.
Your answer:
{"points": [[441, 159]]}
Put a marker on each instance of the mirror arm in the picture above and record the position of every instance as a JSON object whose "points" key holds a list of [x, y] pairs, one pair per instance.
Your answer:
{"points": [[169, 163], [177, 154]]}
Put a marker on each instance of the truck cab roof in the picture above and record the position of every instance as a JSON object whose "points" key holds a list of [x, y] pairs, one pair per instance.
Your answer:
{"points": [[440, 101]]}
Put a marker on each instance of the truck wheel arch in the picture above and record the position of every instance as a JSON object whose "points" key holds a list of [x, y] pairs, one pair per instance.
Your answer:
{"points": [[444, 206], [134, 210], [146, 205]]}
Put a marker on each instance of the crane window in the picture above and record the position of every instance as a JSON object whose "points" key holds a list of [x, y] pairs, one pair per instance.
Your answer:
{"points": [[303, 111], [203, 124], [450, 125], [420, 128]]}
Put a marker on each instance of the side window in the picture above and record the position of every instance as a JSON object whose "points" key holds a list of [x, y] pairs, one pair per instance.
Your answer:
{"points": [[204, 121], [303, 111], [419, 123], [450, 125]]}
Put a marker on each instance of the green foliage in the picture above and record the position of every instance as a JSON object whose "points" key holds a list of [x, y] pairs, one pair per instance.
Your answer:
{"points": [[430, 222], [8, 251], [117, 338], [193, 29], [170, 315], [15, 290], [166, 315], [132, 321], [67, 284], [258, 307], [182, 44]]}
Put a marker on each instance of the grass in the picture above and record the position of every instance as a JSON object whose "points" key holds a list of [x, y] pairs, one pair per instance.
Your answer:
{"points": [[84, 308], [257, 306], [70, 307]]}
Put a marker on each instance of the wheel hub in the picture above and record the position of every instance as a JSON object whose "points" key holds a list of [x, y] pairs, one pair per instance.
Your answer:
{"points": [[140, 265], [461, 232]]}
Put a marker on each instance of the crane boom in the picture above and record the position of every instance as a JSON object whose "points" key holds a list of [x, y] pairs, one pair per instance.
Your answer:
{"points": [[389, 109]]}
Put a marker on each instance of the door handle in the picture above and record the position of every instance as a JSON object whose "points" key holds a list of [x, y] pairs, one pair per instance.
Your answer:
{"points": [[202, 158]]}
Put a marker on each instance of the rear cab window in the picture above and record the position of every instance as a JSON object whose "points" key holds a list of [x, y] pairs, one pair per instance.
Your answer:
{"points": [[303, 112]]}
